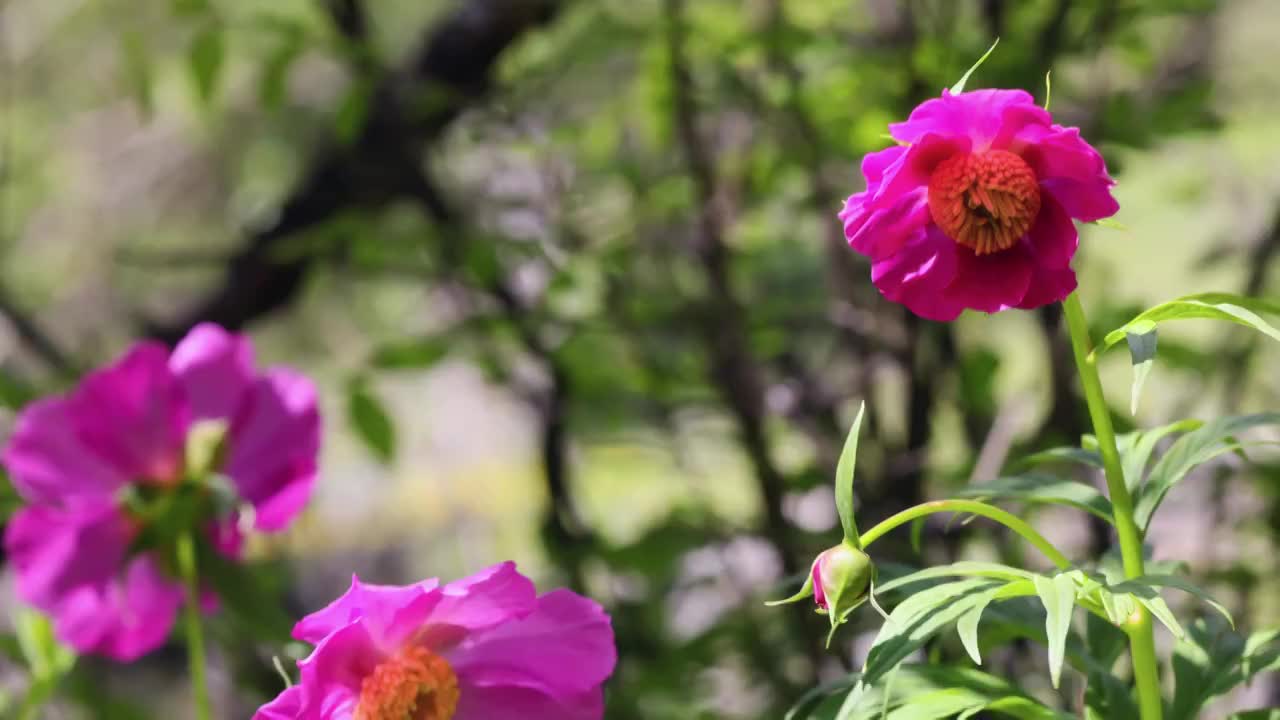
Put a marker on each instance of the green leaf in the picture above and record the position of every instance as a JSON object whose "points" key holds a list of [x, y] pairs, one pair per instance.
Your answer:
{"points": [[1136, 449], [1214, 306], [370, 420], [1059, 596], [964, 79], [1037, 488], [1061, 454], [1178, 583], [413, 354], [1259, 714], [1048, 89], [924, 692], [205, 57], [1190, 450], [967, 628], [844, 480], [962, 568], [137, 69], [1142, 351], [1111, 224], [1212, 659], [352, 111], [919, 618]]}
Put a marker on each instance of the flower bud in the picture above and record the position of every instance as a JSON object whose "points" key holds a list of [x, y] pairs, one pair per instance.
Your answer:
{"points": [[841, 576]]}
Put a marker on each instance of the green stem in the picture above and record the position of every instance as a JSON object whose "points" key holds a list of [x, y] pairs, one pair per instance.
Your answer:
{"points": [[1146, 671], [195, 632], [1013, 522]]}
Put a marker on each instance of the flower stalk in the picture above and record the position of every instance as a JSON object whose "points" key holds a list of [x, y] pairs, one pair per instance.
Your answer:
{"points": [[1146, 672], [1009, 520], [186, 550]]}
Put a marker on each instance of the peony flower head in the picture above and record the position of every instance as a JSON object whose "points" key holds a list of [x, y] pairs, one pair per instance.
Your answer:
{"points": [[483, 648], [100, 466], [974, 207]]}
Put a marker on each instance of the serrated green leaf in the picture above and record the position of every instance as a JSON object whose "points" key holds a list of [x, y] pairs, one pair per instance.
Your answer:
{"points": [[1213, 306], [1058, 594], [1190, 450], [205, 57], [1037, 488], [844, 480], [1142, 352], [370, 420], [964, 79]]}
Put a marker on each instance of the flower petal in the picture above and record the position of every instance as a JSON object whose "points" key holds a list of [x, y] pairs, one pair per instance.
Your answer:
{"points": [[332, 674], [397, 610], [1053, 239], [56, 551], [565, 647], [991, 283], [917, 275], [497, 702], [215, 368], [881, 220], [47, 462], [982, 116], [123, 618], [1048, 285], [286, 706], [1070, 170], [274, 440], [133, 415], [489, 598]]}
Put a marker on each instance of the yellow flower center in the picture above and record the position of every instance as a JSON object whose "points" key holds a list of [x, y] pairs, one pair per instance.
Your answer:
{"points": [[417, 684], [985, 202]]}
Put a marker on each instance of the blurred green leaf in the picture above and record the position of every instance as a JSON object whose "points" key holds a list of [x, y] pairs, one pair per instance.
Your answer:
{"points": [[415, 354], [370, 419], [205, 58]]}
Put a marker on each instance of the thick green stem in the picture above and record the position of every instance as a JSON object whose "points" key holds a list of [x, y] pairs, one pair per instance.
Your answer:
{"points": [[1146, 671], [195, 632], [1013, 522]]}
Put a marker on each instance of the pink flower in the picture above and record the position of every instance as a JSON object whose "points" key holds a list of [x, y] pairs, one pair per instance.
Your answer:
{"points": [[974, 207], [89, 463], [483, 648]]}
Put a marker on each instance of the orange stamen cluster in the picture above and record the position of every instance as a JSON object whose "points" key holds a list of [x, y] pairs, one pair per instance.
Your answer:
{"points": [[985, 202], [417, 684]]}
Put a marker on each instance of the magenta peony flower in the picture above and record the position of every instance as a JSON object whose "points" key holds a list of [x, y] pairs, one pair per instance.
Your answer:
{"points": [[974, 208], [483, 648], [96, 465]]}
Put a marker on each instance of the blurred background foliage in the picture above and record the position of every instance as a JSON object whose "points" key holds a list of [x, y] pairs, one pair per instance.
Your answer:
{"points": [[570, 278]]}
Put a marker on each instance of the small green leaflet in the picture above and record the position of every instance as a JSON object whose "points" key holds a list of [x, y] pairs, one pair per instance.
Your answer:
{"points": [[1059, 597], [205, 57], [1048, 89], [964, 79], [844, 480], [1142, 350]]}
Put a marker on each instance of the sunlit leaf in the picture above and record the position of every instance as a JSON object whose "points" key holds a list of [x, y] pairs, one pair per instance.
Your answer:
{"points": [[963, 568], [1136, 449], [1058, 595], [844, 480], [1178, 583], [1214, 306], [1036, 488], [1190, 450], [1142, 351], [964, 79]]}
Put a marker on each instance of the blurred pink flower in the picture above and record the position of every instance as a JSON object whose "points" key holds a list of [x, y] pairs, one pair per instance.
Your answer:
{"points": [[483, 648], [974, 207], [76, 459]]}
